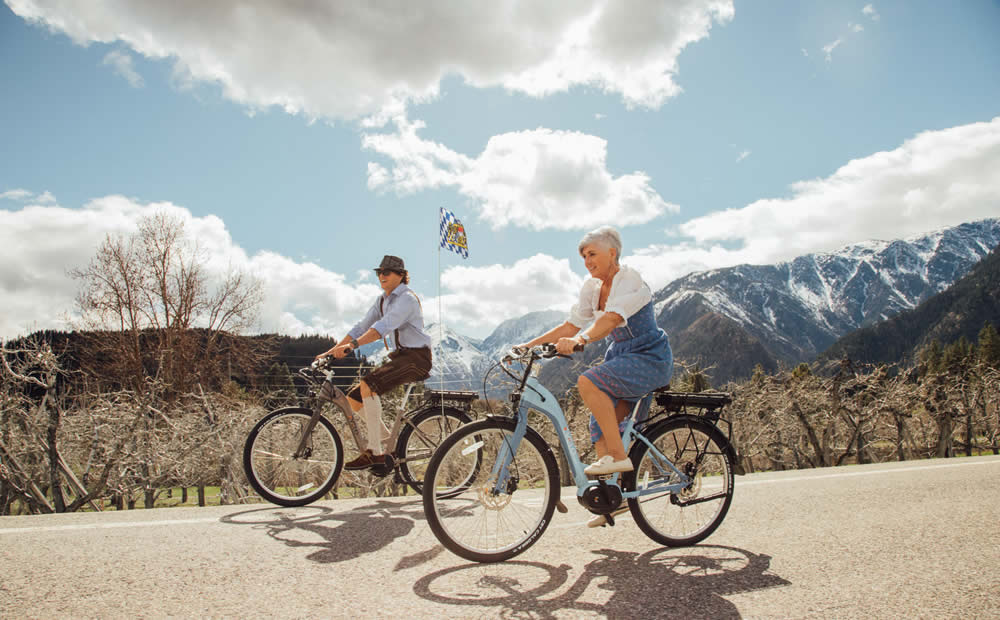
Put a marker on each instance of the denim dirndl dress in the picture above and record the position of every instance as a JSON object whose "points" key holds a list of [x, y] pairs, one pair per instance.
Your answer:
{"points": [[637, 362]]}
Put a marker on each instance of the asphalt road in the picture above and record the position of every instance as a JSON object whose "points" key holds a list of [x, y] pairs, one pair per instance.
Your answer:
{"points": [[916, 539]]}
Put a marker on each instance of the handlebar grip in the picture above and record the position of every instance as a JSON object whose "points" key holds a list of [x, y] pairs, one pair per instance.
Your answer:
{"points": [[578, 347]]}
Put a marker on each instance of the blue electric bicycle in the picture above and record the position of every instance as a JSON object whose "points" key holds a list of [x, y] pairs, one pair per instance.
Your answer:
{"points": [[678, 493]]}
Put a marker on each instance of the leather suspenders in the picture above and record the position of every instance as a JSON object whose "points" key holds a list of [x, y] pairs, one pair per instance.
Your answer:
{"points": [[395, 333]]}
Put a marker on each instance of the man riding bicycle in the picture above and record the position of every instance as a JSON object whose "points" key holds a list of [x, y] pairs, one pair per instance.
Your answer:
{"points": [[396, 311]]}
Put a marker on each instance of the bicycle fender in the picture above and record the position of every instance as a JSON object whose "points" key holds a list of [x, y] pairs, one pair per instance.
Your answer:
{"points": [[726, 445], [457, 410], [272, 412]]}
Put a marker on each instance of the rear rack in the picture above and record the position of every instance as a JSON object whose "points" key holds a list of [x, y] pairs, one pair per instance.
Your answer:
{"points": [[708, 402], [464, 397], [707, 405]]}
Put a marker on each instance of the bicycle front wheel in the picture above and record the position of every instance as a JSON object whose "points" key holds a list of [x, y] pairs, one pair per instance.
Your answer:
{"points": [[280, 475], [699, 450], [485, 499], [420, 437]]}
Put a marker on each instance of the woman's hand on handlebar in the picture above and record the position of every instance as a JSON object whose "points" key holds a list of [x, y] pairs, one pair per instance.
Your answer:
{"points": [[566, 346]]}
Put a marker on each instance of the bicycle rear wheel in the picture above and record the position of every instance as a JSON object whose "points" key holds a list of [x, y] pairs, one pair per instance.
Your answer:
{"points": [[499, 511], [272, 467], [699, 450], [420, 436]]}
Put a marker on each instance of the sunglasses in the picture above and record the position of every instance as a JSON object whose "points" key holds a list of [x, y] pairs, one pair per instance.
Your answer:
{"points": [[385, 272]]}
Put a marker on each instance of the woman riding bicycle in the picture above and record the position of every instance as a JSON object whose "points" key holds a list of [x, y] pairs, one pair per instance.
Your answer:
{"points": [[614, 301], [397, 311]]}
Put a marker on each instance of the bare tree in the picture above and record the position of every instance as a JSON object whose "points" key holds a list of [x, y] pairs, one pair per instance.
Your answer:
{"points": [[159, 313], [162, 327]]}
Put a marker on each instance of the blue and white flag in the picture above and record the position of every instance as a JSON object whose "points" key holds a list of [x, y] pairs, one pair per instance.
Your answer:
{"points": [[453, 234]]}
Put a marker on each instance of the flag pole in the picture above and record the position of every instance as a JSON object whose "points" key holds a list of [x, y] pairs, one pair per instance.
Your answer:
{"points": [[440, 313]]}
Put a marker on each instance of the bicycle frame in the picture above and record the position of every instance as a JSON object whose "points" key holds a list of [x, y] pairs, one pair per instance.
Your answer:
{"points": [[533, 395], [331, 393]]}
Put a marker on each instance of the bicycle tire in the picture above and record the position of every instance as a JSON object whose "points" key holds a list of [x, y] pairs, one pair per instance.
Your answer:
{"points": [[462, 522], [272, 469], [698, 449], [420, 437]]}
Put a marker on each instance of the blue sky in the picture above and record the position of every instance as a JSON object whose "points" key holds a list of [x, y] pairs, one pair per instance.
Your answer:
{"points": [[303, 144]]}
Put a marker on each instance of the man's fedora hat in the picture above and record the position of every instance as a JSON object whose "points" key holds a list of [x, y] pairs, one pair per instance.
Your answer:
{"points": [[391, 263]]}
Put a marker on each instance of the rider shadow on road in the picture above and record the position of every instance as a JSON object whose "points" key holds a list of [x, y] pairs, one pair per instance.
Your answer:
{"points": [[663, 583], [334, 536]]}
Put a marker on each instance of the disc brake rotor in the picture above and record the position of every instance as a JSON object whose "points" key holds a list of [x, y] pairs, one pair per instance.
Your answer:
{"points": [[490, 499], [692, 490]]}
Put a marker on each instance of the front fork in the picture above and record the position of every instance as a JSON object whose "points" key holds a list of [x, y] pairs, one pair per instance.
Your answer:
{"points": [[500, 473]]}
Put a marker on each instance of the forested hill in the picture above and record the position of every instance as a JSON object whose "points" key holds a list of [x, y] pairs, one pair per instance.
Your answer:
{"points": [[272, 359], [960, 311]]}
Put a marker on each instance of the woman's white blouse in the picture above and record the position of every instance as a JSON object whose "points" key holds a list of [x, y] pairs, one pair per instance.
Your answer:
{"points": [[628, 295]]}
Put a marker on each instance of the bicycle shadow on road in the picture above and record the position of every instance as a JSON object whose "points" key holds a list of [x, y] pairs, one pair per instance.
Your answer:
{"points": [[665, 583], [334, 536]]}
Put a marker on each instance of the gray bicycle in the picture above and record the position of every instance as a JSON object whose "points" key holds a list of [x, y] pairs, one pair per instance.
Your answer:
{"points": [[294, 455]]}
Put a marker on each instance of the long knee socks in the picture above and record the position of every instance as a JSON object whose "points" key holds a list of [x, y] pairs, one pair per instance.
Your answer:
{"points": [[373, 419]]}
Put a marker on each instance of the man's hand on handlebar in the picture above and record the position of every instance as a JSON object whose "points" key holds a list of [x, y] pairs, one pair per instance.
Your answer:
{"points": [[340, 351]]}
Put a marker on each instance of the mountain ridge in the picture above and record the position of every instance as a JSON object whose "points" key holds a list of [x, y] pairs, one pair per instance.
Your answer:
{"points": [[959, 311], [729, 320]]}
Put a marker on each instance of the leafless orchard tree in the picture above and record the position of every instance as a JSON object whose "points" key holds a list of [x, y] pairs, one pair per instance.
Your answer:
{"points": [[33, 440], [797, 419], [138, 417], [158, 311]]}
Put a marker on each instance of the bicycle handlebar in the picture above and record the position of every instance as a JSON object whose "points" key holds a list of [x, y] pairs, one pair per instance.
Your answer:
{"points": [[318, 370], [544, 351]]}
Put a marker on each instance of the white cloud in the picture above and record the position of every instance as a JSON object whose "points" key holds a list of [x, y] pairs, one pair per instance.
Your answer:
{"points": [[829, 47], [743, 155], [933, 180], [40, 243], [23, 195], [483, 297], [852, 29], [936, 179], [16, 194], [350, 60], [537, 179], [122, 64]]}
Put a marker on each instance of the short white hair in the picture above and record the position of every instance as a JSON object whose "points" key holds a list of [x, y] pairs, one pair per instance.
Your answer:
{"points": [[605, 236]]}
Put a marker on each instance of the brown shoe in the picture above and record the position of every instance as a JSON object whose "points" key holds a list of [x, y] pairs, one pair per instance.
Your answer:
{"points": [[366, 460]]}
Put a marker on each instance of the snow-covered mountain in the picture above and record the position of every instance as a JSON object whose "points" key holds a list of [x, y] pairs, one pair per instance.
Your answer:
{"points": [[460, 362], [730, 320], [733, 319], [797, 309], [457, 359], [520, 330]]}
